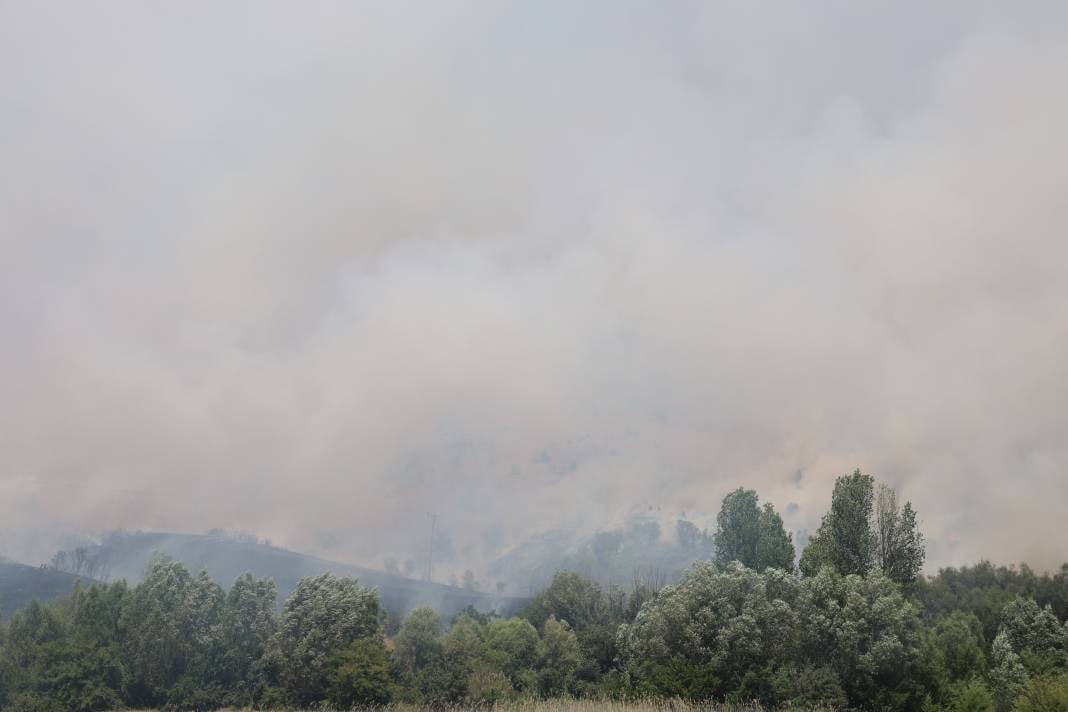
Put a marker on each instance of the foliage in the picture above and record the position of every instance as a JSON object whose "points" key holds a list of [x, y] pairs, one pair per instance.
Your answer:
{"points": [[689, 536], [701, 636], [29, 702], [512, 646], [900, 551], [417, 642], [867, 632], [863, 532], [738, 528], [975, 639], [845, 540], [984, 590], [751, 535], [560, 659], [971, 695], [953, 652], [248, 624], [775, 547], [323, 615], [745, 635], [577, 600], [1007, 674], [177, 620], [360, 675], [592, 612], [1035, 634], [1044, 694]]}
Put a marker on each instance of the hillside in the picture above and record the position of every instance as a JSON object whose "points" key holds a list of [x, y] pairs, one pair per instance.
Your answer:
{"points": [[125, 554], [636, 552], [20, 584]]}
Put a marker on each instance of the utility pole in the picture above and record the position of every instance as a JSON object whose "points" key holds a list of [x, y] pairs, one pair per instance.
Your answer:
{"points": [[430, 552]]}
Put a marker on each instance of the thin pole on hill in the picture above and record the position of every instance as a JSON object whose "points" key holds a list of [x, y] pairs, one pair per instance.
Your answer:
{"points": [[430, 552]]}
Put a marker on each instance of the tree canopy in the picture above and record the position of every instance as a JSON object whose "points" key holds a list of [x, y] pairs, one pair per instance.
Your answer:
{"points": [[752, 535], [859, 627]]}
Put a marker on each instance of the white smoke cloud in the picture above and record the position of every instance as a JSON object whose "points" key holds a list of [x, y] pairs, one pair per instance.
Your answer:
{"points": [[326, 269]]}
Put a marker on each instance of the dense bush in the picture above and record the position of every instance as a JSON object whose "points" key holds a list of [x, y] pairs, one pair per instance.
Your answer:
{"points": [[360, 675]]}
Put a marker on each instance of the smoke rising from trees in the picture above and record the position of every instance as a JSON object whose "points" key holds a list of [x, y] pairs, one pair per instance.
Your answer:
{"points": [[319, 272]]}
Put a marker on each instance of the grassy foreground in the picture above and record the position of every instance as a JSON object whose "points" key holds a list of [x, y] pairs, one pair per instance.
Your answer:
{"points": [[561, 705]]}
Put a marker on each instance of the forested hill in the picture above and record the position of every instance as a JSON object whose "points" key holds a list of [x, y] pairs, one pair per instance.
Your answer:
{"points": [[124, 555], [20, 584]]}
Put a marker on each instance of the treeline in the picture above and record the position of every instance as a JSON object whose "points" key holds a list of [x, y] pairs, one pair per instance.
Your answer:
{"points": [[608, 556], [853, 626], [82, 561]]}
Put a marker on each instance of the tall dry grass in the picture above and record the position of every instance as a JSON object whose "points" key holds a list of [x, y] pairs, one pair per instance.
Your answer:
{"points": [[559, 705]]}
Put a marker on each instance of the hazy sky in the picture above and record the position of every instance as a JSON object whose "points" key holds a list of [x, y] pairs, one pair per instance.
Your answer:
{"points": [[316, 270]]}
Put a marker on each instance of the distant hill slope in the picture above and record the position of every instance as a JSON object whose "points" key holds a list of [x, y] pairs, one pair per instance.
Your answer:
{"points": [[125, 555], [20, 584], [637, 552]]}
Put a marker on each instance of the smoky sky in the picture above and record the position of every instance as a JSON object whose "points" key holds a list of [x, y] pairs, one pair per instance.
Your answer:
{"points": [[320, 270]]}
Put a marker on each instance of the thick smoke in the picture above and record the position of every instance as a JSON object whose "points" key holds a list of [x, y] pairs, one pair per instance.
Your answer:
{"points": [[320, 270]]}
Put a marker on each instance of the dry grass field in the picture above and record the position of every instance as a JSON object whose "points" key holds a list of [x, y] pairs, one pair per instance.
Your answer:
{"points": [[561, 705]]}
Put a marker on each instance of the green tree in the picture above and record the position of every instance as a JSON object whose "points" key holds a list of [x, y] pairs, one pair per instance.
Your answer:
{"points": [[1035, 634], [324, 614], [952, 653], [1044, 694], [900, 550], [592, 612], [173, 625], [577, 600], [867, 632], [97, 613], [752, 535], [737, 534], [30, 702], [845, 539], [1007, 673], [94, 675], [984, 590], [700, 637], [560, 659], [417, 643], [971, 695], [512, 646], [688, 534], [775, 548], [486, 686], [5, 667], [444, 683], [959, 637], [82, 679], [465, 642], [57, 662], [248, 624], [445, 679], [359, 675], [816, 554]]}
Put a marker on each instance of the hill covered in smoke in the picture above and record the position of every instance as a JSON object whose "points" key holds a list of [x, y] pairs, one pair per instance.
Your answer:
{"points": [[639, 552], [20, 584], [225, 557]]}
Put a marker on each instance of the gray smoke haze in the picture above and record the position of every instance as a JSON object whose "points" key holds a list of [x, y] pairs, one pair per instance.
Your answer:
{"points": [[317, 270]]}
